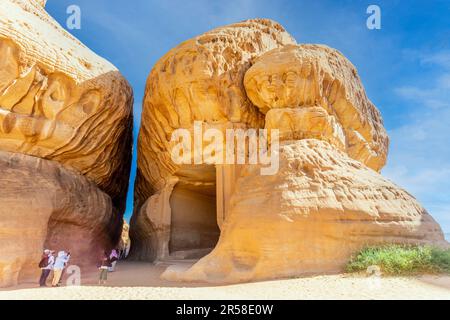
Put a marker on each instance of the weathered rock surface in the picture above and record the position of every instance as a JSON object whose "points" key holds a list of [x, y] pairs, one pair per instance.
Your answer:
{"points": [[320, 208], [327, 199], [318, 81], [201, 79], [60, 101], [44, 205], [63, 109], [125, 243]]}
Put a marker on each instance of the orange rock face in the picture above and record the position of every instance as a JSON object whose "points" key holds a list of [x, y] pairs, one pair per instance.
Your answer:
{"points": [[199, 80], [321, 207], [327, 198], [61, 103], [292, 82]]}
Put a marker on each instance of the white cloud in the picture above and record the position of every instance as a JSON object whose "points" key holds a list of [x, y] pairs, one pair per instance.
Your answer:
{"points": [[419, 158], [437, 97], [437, 93], [444, 81], [441, 58]]}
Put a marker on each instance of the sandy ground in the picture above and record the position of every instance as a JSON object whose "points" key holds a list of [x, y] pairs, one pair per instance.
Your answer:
{"points": [[142, 281]]}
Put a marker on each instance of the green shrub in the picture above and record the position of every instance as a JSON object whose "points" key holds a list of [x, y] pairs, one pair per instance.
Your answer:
{"points": [[441, 258], [401, 259]]}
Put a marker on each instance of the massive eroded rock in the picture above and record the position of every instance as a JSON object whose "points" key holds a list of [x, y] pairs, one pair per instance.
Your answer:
{"points": [[59, 100], [61, 103], [327, 199], [199, 80]]}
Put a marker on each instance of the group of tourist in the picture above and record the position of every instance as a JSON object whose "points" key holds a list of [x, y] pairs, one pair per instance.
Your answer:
{"points": [[49, 263], [59, 263]]}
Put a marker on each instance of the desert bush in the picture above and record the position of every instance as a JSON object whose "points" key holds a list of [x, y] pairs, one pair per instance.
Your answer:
{"points": [[397, 259]]}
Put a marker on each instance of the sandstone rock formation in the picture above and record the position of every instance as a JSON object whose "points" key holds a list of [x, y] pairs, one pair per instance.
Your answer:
{"points": [[201, 79], [312, 91], [62, 103], [321, 207], [125, 243], [57, 97], [327, 199]]}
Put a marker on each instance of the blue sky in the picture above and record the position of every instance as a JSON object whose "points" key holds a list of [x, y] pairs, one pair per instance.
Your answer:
{"points": [[404, 66]]}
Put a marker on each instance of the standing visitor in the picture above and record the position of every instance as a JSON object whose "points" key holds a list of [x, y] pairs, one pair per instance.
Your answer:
{"points": [[46, 265], [113, 257], [58, 268], [64, 269], [105, 264]]}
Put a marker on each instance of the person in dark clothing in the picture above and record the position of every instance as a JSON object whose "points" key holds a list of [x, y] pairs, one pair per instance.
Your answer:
{"points": [[46, 265], [105, 264]]}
